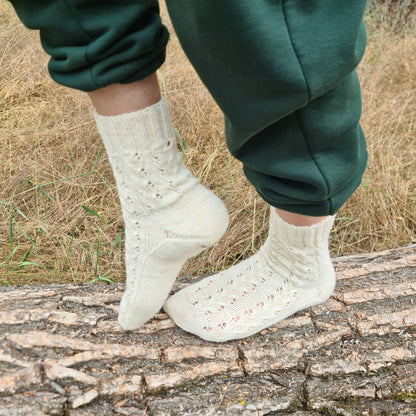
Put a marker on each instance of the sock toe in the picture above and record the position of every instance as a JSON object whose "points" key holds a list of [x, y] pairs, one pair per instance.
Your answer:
{"points": [[176, 306]]}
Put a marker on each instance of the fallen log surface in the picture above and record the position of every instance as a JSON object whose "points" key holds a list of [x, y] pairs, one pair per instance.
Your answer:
{"points": [[63, 353]]}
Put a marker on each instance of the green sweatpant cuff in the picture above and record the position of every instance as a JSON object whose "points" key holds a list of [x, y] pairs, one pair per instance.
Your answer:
{"points": [[95, 43], [328, 206]]}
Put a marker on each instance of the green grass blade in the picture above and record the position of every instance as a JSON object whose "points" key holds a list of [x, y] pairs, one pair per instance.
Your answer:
{"points": [[19, 212], [11, 230], [117, 240], [92, 212], [45, 193], [181, 143]]}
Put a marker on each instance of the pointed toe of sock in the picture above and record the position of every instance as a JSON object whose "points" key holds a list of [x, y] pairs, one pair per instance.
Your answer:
{"points": [[177, 307]]}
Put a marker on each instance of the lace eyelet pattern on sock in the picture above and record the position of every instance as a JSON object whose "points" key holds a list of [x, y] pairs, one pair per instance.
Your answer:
{"points": [[168, 215], [292, 271]]}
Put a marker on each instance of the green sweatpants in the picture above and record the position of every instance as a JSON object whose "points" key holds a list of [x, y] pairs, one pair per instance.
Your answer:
{"points": [[282, 71]]}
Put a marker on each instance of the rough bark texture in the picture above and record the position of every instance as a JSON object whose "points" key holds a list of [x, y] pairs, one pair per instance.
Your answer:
{"points": [[63, 353]]}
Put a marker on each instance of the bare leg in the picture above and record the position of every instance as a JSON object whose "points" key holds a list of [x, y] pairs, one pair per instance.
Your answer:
{"points": [[298, 219], [126, 98]]}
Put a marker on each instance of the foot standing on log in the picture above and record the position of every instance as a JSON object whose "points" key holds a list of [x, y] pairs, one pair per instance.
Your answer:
{"points": [[283, 73]]}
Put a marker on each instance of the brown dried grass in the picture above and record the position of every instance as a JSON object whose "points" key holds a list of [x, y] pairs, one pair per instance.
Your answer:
{"points": [[56, 176]]}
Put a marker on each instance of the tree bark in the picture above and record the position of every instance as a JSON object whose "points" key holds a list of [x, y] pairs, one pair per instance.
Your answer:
{"points": [[62, 352]]}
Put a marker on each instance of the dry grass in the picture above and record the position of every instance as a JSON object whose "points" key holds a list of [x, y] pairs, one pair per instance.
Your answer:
{"points": [[397, 14], [59, 213]]}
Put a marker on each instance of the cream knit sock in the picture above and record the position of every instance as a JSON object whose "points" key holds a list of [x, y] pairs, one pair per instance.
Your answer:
{"points": [[292, 271], [168, 215]]}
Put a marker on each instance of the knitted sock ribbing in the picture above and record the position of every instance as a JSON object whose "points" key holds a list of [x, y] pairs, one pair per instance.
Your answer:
{"points": [[292, 271], [168, 215]]}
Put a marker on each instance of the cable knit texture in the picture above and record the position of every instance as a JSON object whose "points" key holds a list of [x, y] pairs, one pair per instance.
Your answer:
{"points": [[168, 215], [291, 272]]}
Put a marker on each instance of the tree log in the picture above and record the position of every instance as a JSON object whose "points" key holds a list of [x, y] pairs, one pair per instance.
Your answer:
{"points": [[62, 352]]}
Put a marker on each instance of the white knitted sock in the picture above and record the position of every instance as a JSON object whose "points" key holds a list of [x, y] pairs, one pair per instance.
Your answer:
{"points": [[292, 271], [168, 215]]}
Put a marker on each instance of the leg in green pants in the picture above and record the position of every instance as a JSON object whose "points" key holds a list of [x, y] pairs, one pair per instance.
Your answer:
{"points": [[283, 73]]}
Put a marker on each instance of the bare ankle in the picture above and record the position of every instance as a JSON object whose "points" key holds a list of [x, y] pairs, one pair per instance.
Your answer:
{"points": [[298, 219]]}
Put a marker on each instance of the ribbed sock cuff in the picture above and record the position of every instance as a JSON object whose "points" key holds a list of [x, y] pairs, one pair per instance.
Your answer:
{"points": [[142, 129], [299, 237]]}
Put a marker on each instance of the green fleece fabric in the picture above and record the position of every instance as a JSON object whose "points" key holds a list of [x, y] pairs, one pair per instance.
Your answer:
{"points": [[95, 43], [282, 71]]}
